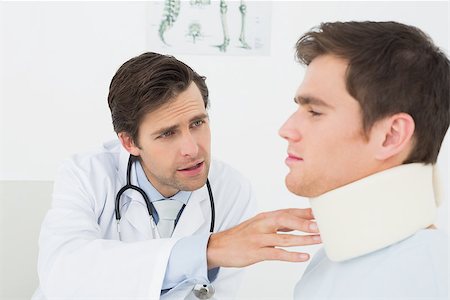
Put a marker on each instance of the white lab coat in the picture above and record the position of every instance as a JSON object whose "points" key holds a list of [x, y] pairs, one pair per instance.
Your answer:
{"points": [[81, 256]]}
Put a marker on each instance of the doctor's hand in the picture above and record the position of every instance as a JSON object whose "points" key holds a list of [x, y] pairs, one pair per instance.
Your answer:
{"points": [[257, 239]]}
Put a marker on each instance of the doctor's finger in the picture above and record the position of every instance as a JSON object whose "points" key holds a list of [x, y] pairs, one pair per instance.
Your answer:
{"points": [[290, 240], [285, 221], [304, 213], [283, 255]]}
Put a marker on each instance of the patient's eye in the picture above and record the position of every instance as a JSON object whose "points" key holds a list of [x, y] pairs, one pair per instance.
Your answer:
{"points": [[314, 113]]}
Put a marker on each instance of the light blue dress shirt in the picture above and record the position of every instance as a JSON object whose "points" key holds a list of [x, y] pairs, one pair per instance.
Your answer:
{"points": [[414, 268], [179, 269]]}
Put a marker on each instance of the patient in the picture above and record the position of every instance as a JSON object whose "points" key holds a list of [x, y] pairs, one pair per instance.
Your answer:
{"points": [[373, 110]]}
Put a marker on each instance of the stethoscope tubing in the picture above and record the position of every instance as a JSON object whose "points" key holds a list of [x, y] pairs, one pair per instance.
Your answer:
{"points": [[148, 203]]}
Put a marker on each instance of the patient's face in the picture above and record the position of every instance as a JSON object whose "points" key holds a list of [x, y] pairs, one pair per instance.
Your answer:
{"points": [[326, 144]]}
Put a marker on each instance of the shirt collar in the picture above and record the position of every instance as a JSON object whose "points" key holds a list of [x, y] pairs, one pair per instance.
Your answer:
{"points": [[152, 192]]}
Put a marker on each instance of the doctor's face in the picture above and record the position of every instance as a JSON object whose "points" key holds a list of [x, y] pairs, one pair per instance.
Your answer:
{"points": [[326, 143], [174, 144]]}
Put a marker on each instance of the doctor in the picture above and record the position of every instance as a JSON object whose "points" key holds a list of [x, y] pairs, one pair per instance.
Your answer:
{"points": [[102, 239]]}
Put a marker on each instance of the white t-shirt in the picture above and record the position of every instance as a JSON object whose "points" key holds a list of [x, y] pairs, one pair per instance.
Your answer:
{"points": [[414, 268]]}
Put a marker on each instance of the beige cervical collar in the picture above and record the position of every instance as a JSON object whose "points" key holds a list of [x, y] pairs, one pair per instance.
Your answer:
{"points": [[376, 211]]}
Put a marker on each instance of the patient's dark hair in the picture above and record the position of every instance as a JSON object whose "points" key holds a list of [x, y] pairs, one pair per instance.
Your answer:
{"points": [[143, 84], [392, 68]]}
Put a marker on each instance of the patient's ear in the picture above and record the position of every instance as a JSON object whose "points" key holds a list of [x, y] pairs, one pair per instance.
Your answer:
{"points": [[394, 136], [127, 142]]}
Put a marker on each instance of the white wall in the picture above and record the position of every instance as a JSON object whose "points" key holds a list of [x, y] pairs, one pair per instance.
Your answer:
{"points": [[57, 60]]}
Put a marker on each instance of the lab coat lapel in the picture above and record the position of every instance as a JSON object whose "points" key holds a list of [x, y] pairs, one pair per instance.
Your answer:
{"points": [[135, 223], [194, 215]]}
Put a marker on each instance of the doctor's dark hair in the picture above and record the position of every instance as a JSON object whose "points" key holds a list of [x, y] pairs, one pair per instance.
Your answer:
{"points": [[145, 83], [392, 68]]}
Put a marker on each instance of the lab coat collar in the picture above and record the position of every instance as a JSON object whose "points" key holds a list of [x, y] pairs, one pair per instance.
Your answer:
{"points": [[122, 177], [122, 168]]}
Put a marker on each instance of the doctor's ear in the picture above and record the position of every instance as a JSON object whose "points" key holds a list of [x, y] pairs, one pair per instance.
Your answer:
{"points": [[394, 137], [128, 143]]}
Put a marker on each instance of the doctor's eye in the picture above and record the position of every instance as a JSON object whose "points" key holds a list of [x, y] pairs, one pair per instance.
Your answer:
{"points": [[166, 134], [197, 123]]}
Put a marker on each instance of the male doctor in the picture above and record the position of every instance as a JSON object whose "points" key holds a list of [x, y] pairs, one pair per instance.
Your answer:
{"points": [[158, 107], [372, 112]]}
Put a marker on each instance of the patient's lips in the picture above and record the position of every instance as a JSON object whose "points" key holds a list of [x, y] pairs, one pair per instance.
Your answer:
{"points": [[293, 159]]}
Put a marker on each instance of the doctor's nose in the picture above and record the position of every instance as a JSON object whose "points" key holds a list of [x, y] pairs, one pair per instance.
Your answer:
{"points": [[290, 129], [189, 146]]}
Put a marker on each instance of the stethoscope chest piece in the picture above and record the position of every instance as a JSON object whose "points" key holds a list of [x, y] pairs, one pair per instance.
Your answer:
{"points": [[203, 291]]}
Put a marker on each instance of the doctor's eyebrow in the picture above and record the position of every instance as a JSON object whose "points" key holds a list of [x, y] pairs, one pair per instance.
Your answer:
{"points": [[199, 117], [165, 129], [176, 126], [309, 100]]}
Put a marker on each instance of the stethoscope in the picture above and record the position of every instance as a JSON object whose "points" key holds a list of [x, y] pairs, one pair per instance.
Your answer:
{"points": [[201, 291]]}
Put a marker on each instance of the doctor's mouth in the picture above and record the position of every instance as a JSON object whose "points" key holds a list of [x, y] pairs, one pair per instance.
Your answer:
{"points": [[193, 170]]}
